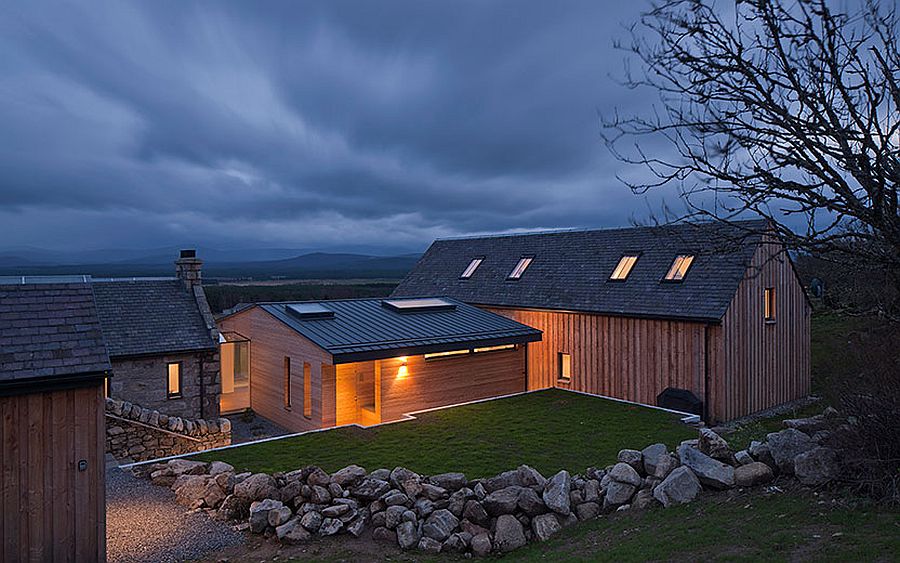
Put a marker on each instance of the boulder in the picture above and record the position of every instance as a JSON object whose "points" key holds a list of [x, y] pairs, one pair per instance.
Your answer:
{"points": [[440, 525], [501, 481], [311, 521], [760, 452], [504, 501], [319, 495], [393, 516], [625, 473], [556, 493], [456, 543], [633, 458], [481, 545], [278, 516], [396, 498], [508, 533], [190, 490], [234, 508], [381, 474], [399, 475], [643, 500], [617, 494], [330, 526], [433, 492], [218, 467], [817, 466], [809, 425], [449, 481], [591, 491], [356, 526], [587, 510], [709, 471], [714, 446], [458, 500], [429, 545], [335, 511], [407, 535], [348, 476], [786, 445], [259, 514], [291, 532], [752, 474], [256, 487], [652, 456], [185, 466], [424, 507], [544, 526], [680, 487], [743, 457], [370, 489], [476, 513], [317, 476], [531, 477], [382, 534], [531, 503]]}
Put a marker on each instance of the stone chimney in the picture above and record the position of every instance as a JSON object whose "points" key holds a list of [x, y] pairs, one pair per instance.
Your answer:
{"points": [[187, 268]]}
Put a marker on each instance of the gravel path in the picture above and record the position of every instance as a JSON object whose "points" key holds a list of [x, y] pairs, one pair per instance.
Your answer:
{"points": [[143, 523]]}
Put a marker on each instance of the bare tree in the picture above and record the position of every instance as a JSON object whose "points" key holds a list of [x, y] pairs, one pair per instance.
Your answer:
{"points": [[785, 109]]}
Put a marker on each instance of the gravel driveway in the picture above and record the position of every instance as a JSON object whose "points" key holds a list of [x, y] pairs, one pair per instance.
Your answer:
{"points": [[143, 523]]}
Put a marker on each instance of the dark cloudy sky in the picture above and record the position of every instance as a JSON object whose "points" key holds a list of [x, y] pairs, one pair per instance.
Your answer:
{"points": [[306, 124]]}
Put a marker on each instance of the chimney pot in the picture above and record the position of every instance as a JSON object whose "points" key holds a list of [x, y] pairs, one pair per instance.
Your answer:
{"points": [[189, 253]]}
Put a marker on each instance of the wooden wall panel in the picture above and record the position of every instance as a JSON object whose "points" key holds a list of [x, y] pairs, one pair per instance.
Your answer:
{"points": [[764, 364], [270, 342], [627, 358], [51, 510]]}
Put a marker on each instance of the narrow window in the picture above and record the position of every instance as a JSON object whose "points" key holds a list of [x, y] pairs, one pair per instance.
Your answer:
{"points": [[106, 389], [287, 382], [173, 382], [307, 390], [565, 367], [623, 268], [769, 304], [679, 267], [520, 268], [470, 269]]}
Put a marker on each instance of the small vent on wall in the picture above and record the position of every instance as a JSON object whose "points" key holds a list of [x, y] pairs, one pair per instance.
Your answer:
{"points": [[308, 311]]}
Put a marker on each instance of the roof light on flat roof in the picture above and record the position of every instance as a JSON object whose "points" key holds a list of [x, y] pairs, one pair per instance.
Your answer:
{"points": [[419, 305], [308, 311]]}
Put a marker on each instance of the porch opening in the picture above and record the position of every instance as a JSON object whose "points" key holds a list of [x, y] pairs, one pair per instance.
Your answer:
{"points": [[234, 357]]}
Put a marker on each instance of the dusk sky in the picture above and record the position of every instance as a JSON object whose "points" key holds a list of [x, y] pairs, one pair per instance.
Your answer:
{"points": [[308, 124]]}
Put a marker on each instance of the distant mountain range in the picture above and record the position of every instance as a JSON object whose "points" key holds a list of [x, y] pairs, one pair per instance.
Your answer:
{"points": [[264, 264]]}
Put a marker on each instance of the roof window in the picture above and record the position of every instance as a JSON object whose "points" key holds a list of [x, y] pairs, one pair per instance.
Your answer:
{"points": [[626, 263], [680, 267], [308, 311], [419, 305], [520, 268], [470, 269]]}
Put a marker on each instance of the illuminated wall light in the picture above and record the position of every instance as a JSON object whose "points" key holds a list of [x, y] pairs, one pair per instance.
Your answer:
{"points": [[403, 371]]}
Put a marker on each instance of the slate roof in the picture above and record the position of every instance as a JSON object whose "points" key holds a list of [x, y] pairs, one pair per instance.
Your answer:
{"points": [[145, 316], [571, 270], [364, 329], [49, 331]]}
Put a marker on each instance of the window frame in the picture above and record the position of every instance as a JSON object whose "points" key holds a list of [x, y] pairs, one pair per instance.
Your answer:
{"points": [[560, 378], [307, 390], [286, 388], [672, 269], [636, 256], [473, 268], [527, 260], [180, 392], [770, 300]]}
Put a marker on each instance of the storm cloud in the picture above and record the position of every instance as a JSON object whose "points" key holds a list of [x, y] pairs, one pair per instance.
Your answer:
{"points": [[307, 124]]}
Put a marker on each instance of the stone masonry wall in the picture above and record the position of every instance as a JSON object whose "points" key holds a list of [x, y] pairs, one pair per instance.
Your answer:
{"points": [[143, 381], [136, 433]]}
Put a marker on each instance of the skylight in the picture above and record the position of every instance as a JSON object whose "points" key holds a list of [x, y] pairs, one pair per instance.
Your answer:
{"points": [[470, 269], [520, 268], [306, 311], [680, 267], [419, 305], [623, 268]]}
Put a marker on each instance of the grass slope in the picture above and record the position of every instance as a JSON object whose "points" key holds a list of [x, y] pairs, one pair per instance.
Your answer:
{"points": [[549, 430]]}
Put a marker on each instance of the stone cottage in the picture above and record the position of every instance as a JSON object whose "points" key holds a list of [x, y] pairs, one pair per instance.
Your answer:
{"points": [[162, 341]]}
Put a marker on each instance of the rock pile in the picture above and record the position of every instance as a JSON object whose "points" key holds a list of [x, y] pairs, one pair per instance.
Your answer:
{"points": [[451, 513]]}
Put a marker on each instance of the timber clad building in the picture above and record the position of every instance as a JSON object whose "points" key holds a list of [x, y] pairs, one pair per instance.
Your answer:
{"points": [[629, 313], [365, 361]]}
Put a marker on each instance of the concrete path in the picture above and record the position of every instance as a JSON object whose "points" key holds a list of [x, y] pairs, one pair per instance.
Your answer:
{"points": [[143, 523]]}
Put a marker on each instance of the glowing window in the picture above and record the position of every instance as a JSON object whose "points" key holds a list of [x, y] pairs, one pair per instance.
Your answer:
{"points": [[769, 304], [623, 268], [470, 269], [287, 382], [449, 354], [307, 390], [565, 367], [173, 384], [520, 268], [679, 267], [496, 348]]}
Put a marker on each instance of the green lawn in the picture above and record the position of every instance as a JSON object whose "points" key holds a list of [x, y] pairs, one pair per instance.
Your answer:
{"points": [[549, 430]]}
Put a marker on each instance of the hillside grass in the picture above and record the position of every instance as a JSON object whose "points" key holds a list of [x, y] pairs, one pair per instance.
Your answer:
{"points": [[549, 430]]}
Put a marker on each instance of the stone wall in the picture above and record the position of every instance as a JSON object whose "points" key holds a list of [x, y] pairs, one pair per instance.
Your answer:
{"points": [[143, 380], [136, 433], [451, 513]]}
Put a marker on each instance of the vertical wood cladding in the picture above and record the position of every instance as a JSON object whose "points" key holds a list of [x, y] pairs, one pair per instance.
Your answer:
{"points": [[51, 510], [764, 363], [270, 342]]}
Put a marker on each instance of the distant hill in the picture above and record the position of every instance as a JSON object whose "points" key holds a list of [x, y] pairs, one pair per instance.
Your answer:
{"points": [[313, 265]]}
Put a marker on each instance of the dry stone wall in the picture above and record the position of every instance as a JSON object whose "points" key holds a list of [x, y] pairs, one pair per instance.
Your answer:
{"points": [[135, 433], [451, 513]]}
